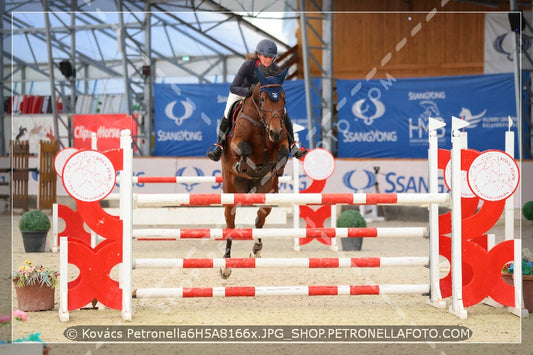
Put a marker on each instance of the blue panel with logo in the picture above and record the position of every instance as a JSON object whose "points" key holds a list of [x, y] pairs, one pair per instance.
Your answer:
{"points": [[187, 116], [388, 118]]}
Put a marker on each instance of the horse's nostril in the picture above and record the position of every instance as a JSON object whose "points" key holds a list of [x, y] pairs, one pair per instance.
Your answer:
{"points": [[274, 136]]}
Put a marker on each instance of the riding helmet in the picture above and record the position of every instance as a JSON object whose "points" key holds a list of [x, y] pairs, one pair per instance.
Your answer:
{"points": [[267, 47]]}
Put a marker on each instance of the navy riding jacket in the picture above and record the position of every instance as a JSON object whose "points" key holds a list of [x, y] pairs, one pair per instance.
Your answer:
{"points": [[246, 78]]}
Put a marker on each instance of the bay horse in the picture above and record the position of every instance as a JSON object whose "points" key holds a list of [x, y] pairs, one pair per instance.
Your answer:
{"points": [[256, 151]]}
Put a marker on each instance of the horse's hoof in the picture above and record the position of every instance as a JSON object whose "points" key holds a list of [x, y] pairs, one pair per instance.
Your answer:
{"points": [[225, 273], [256, 255], [258, 247]]}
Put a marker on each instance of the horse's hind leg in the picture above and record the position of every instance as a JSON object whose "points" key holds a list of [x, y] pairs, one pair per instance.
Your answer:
{"points": [[229, 213]]}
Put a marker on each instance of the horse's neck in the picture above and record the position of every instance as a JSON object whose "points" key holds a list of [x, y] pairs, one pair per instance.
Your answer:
{"points": [[251, 108]]}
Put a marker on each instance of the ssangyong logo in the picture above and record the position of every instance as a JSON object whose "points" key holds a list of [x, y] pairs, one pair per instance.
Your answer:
{"points": [[369, 111], [359, 180], [188, 110], [189, 186]]}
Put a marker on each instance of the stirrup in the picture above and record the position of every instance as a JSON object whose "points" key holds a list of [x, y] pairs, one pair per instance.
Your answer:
{"points": [[298, 150], [216, 153]]}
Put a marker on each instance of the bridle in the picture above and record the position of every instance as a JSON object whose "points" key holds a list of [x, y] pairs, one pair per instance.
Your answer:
{"points": [[261, 111], [263, 123]]}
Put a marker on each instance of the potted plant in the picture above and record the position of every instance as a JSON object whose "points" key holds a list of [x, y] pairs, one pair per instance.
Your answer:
{"points": [[35, 287], [34, 227], [5, 337], [351, 219], [527, 277], [6, 326]]}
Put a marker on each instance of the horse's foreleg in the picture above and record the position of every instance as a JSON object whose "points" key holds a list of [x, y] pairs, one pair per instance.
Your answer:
{"points": [[226, 272], [262, 214], [229, 213]]}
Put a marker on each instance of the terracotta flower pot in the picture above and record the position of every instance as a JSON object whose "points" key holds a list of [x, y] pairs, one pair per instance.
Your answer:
{"points": [[34, 297], [527, 288]]}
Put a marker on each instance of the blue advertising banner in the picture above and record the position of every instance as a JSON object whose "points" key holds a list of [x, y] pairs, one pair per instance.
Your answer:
{"points": [[388, 118], [187, 116]]}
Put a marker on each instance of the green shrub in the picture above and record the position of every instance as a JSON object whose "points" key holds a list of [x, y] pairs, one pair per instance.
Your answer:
{"points": [[351, 219], [34, 221], [527, 210]]}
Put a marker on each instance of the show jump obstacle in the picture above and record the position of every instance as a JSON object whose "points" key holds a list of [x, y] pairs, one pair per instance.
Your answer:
{"points": [[479, 183]]}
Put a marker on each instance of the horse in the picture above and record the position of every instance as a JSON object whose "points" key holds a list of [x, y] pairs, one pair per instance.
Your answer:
{"points": [[256, 151]]}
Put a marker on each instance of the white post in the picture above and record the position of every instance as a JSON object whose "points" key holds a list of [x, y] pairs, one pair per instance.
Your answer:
{"points": [[518, 309], [296, 190], [457, 307], [126, 215], [509, 203], [55, 221], [333, 245], [63, 280], [435, 298], [94, 142]]}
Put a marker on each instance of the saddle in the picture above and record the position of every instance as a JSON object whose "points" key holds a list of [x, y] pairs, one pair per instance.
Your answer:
{"points": [[234, 111]]}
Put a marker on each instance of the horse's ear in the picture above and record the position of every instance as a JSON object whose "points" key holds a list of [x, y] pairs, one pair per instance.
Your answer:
{"points": [[260, 76], [283, 75]]}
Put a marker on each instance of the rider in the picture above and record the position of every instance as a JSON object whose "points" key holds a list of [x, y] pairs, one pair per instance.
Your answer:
{"points": [[243, 86]]}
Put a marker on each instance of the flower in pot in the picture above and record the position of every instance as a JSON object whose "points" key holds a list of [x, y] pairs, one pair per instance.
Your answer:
{"points": [[527, 277], [34, 227], [35, 286], [5, 324]]}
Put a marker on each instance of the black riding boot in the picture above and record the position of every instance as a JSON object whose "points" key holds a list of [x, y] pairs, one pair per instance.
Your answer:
{"points": [[216, 153], [297, 149]]}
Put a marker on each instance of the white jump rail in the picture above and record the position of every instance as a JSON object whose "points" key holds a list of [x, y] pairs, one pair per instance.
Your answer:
{"points": [[277, 233], [251, 291], [256, 263]]}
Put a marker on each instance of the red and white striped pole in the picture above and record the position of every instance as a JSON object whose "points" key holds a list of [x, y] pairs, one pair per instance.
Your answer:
{"points": [[185, 179], [256, 291], [255, 263], [253, 233], [242, 199]]}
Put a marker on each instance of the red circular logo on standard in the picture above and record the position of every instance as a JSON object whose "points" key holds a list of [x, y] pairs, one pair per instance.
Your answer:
{"points": [[319, 164], [493, 175], [61, 158], [89, 176]]}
